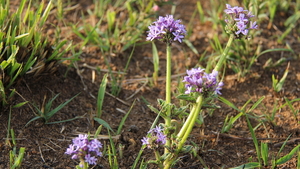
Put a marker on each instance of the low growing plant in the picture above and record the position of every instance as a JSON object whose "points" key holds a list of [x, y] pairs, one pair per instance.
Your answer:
{"points": [[262, 152], [23, 49], [15, 158], [46, 111], [277, 85]]}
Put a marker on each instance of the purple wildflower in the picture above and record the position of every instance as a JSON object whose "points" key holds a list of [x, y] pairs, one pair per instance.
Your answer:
{"points": [[155, 138], [85, 149], [90, 159], [238, 21], [166, 29], [161, 138], [197, 80]]}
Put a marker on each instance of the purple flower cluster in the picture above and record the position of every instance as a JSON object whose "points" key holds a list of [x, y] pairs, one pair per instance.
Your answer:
{"points": [[238, 21], [155, 138], [166, 29], [199, 81], [83, 148]]}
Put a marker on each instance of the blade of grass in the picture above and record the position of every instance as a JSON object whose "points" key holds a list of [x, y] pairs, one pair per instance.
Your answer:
{"points": [[227, 102], [101, 93], [104, 123], [51, 113], [287, 157], [283, 145], [264, 153], [113, 152], [248, 166], [256, 104], [124, 119], [254, 139]]}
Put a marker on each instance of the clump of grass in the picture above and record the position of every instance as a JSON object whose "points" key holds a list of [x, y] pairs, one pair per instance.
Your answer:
{"points": [[23, 48], [46, 111]]}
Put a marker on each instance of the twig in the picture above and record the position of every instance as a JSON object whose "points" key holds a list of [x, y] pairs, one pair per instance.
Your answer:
{"points": [[41, 154], [54, 144], [79, 74], [138, 90], [50, 147], [120, 100], [291, 141]]}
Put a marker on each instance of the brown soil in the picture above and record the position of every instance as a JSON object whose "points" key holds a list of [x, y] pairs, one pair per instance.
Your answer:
{"points": [[46, 143]]}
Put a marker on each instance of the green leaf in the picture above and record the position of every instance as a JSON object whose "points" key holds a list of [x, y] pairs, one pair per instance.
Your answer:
{"points": [[254, 138], [48, 115], [46, 13], [19, 159], [124, 119], [282, 80], [283, 145], [274, 82], [248, 166], [35, 118], [186, 149], [155, 110], [186, 97], [264, 152], [275, 50], [222, 99], [287, 157], [20, 104], [62, 121], [98, 131], [56, 53], [104, 123], [228, 124], [256, 103], [191, 46], [101, 93]]}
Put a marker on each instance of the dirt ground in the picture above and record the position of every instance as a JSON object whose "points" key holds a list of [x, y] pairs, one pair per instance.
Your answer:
{"points": [[46, 143]]}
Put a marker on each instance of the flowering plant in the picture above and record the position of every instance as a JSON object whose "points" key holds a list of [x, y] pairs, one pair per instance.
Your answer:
{"points": [[85, 150], [197, 80], [201, 87], [167, 30], [238, 21], [155, 138], [238, 26]]}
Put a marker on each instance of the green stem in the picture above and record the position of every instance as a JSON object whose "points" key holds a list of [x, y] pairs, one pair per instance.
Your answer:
{"points": [[168, 93], [168, 163], [168, 81], [186, 124], [185, 131], [194, 115], [224, 54]]}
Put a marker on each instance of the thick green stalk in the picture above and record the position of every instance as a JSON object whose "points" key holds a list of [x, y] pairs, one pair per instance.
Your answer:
{"points": [[185, 131], [186, 124], [168, 91], [195, 113], [224, 54], [168, 80]]}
